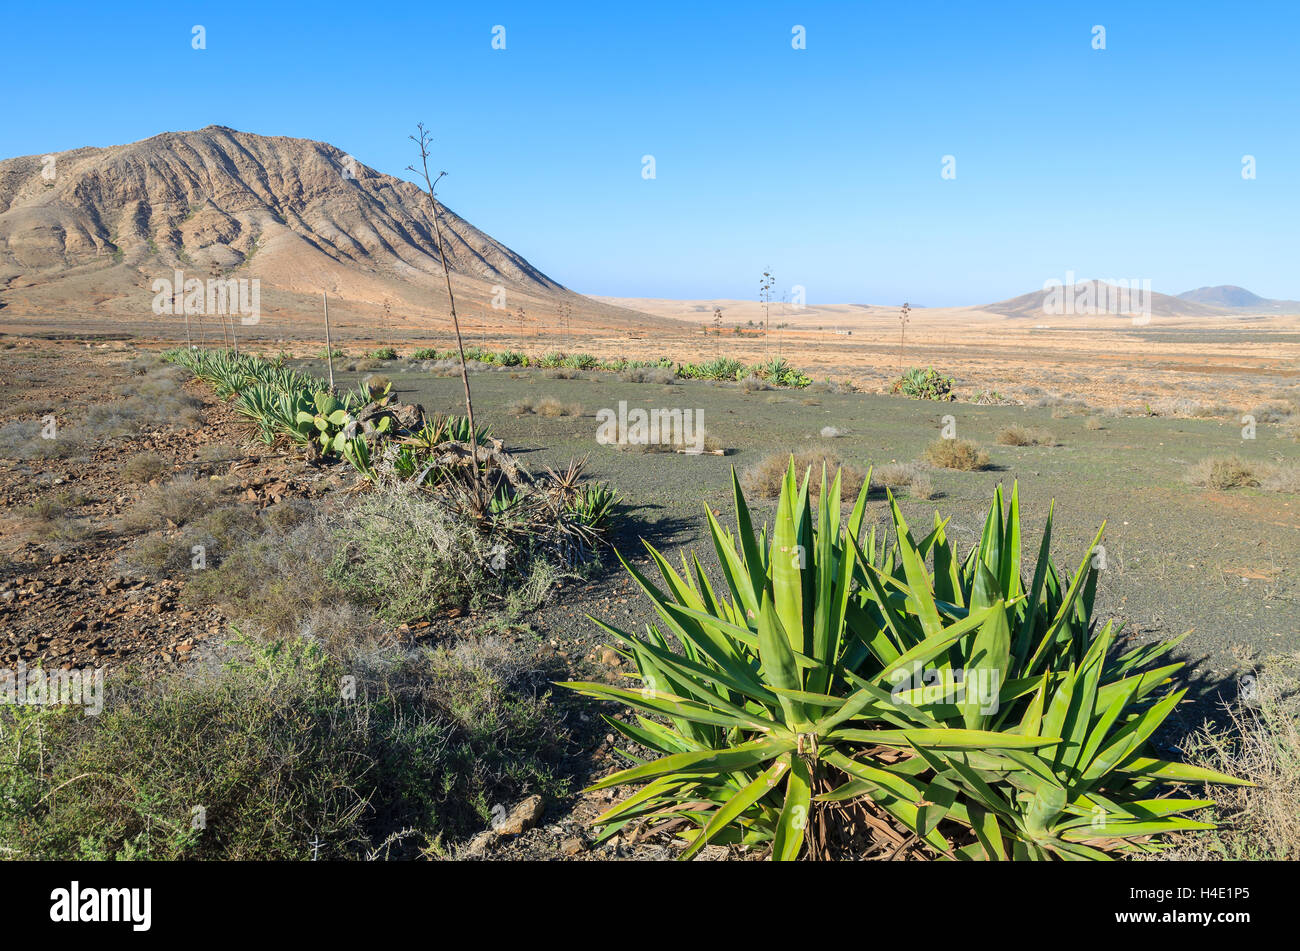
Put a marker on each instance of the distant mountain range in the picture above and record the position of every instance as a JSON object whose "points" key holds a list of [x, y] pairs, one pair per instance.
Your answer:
{"points": [[89, 232], [1090, 298]]}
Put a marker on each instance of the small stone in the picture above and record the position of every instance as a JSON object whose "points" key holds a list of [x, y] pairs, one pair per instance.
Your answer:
{"points": [[573, 846], [478, 845], [521, 818]]}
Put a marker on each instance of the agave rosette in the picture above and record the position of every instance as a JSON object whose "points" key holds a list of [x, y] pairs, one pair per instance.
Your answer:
{"points": [[793, 688]]}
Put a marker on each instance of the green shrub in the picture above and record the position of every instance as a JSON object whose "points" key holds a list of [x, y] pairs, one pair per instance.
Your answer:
{"points": [[924, 384], [408, 555], [274, 759]]}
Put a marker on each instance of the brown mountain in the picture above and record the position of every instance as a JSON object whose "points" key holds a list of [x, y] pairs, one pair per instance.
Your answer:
{"points": [[87, 232]]}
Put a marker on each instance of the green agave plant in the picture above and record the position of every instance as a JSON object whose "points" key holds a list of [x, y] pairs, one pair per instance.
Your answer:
{"points": [[275, 411], [593, 505], [974, 707]]}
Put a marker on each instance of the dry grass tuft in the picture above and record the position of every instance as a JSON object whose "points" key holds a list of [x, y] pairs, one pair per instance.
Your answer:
{"points": [[1017, 435], [1233, 472], [547, 406], [1261, 743], [1226, 472], [960, 454], [648, 375], [144, 467], [376, 383], [1283, 479], [177, 502], [905, 475], [763, 479], [704, 441]]}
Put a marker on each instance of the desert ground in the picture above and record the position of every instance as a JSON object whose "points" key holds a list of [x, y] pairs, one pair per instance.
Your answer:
{"points": [[1220, 363], [1128, 412]]}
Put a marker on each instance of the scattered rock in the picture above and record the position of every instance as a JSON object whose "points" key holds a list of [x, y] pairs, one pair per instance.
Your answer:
{"points": [[521, 818], [574, 845]]}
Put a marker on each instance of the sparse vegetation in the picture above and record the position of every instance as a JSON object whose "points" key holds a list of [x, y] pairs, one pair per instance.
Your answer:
{"points": [[648, 374], [172, 503], [1017, 435], [547, 406], [1259, 742], [905, 475], [1233, 472], [774, 372], [1224, 472]]}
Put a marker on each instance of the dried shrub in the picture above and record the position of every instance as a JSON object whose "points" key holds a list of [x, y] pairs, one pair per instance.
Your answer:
{"points": [[960, 454], [173, 503], [144, 467], [1017, 435], [1225, 472], [547, 406], [763, 479]]}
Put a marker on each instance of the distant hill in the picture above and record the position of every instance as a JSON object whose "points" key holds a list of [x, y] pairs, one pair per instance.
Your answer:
{"points": [[1232, 297], [1223, 295], [1086, 298]]}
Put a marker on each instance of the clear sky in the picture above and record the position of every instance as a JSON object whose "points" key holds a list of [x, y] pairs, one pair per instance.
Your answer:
{"points": [[824, 163]]}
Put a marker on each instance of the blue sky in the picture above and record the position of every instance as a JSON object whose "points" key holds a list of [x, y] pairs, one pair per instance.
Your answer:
{"points": [[823, 163]]}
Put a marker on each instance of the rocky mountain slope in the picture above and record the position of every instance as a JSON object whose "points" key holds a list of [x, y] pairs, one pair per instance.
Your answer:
{"points": [[92, 228]]}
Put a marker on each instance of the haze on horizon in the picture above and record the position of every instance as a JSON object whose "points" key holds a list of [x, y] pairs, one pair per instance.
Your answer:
{"points": [[824, 162]]}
